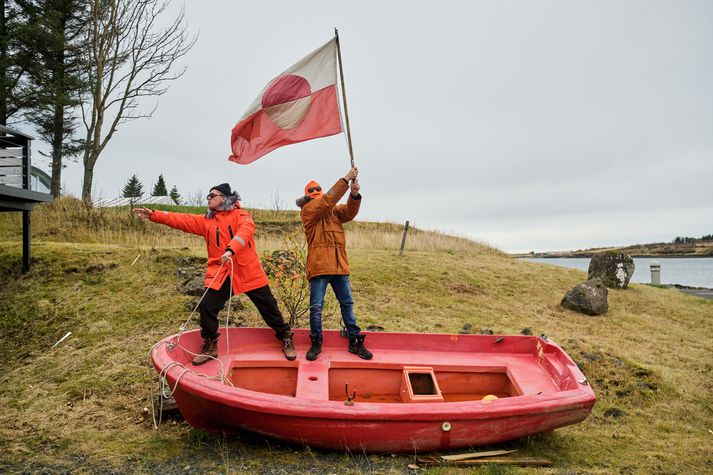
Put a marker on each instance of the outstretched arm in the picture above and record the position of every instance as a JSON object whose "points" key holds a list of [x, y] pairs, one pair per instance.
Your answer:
{"points": [[189, 223]]}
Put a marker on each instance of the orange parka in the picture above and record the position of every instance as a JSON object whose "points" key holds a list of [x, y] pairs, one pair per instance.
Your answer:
{"points": [[322, 219], [235, 228]]}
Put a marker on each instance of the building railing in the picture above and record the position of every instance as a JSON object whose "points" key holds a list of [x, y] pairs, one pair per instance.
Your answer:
{"points": [[15, 191], [12, 166]]}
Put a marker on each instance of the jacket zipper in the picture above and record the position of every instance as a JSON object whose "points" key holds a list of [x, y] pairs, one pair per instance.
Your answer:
{"points": [[217, 236], [336, 257], [230, 231]]}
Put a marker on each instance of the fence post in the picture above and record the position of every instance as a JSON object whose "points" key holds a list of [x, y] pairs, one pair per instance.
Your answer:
{"points": [[403, 239]]}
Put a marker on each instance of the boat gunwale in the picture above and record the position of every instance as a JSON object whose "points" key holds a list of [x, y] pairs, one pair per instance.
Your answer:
{"points": [[244, 399]]}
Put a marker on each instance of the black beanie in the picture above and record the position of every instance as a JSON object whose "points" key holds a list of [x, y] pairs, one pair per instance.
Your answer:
{"points": [[223, 188]]}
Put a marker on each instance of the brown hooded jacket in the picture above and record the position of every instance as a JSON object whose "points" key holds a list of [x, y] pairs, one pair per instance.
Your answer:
{"points": [[322, 219]]}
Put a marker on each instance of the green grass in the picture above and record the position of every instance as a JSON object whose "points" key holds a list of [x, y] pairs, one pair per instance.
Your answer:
{"points": [[82, 403]]}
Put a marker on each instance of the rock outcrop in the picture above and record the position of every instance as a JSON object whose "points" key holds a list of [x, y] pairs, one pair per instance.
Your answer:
{"points": [[193, 285], [589, 297], [614, 268]]}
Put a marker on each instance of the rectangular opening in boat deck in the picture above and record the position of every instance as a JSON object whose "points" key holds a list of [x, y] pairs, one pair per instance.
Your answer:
{"points": [[418, 384], [265, 379], [474, 386], [422, 384], [385, 385]]}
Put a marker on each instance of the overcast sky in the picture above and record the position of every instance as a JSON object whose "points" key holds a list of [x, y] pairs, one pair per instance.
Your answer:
{"points": [[546, 125]]}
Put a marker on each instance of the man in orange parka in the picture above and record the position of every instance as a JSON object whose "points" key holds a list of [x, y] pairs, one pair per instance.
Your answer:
{"points": [[327, 261], [228, 231]]}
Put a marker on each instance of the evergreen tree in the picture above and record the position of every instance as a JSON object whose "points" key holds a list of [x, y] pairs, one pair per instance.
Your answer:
{"points": [[133, 188], [56, 40], [159, 188], [175, 196], [14, 60]]}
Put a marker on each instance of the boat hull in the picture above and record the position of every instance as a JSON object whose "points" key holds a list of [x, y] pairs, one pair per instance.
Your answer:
{"points": [[321, 417]]}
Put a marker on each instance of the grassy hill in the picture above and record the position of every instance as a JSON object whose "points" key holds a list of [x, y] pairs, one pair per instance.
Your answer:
{"points": [[82, 404]]}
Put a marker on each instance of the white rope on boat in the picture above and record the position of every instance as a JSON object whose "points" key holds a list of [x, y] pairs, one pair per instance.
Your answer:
{"points": [[230, 304], [182, 328], [163, 382]]}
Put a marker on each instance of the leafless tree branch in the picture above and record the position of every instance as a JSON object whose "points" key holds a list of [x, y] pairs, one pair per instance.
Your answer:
{"points": [[130, 57]]}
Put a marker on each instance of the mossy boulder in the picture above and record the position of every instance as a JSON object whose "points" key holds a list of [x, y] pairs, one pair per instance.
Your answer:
{"points": [[589, 297], [614, 268]]}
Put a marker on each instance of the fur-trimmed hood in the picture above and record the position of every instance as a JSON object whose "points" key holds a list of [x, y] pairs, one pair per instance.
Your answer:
{"points": [[303, 200], [230, 202]]}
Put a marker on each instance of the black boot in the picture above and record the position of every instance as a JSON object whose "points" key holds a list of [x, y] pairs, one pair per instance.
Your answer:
{"points": [[356, 346], [315, 349]]}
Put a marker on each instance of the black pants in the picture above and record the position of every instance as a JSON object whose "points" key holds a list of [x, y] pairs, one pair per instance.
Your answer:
{"points": [[214, 301]]}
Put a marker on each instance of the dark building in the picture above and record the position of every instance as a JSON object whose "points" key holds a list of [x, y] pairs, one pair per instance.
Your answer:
{"points": [[16, 192]]}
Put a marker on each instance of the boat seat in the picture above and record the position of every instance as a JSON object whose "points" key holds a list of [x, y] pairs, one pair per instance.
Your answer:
{"points": [[527, 379], [313, 380]]}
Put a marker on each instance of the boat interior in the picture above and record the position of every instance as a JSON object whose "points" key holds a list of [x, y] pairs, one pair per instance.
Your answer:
{"points": [[471, 369]]}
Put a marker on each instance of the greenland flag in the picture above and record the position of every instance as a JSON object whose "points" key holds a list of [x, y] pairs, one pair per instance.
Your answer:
{"points": [[300, 104]]}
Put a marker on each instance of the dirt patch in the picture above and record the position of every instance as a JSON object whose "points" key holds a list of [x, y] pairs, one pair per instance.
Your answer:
{"points": [[614, 413], [461, 288]]}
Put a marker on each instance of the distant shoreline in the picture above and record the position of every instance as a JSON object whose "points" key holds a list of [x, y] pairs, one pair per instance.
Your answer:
{"points": [[694, 248], [589, 256], [703, 292]]}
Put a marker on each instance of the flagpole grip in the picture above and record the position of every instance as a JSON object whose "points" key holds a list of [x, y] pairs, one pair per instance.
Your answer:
{"points": [[344, 98]]}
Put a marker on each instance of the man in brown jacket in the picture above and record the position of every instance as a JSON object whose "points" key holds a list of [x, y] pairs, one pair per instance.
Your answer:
{"points": [[327, 261]]}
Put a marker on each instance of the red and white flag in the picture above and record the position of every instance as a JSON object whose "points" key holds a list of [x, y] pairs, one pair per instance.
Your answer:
{"points": [[300, 104]]}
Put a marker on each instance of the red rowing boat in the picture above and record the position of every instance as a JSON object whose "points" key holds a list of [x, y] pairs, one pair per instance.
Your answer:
{"points": [[420, 391]]}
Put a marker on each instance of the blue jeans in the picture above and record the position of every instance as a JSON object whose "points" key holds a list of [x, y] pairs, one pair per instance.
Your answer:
{"points": [[317, 289]]}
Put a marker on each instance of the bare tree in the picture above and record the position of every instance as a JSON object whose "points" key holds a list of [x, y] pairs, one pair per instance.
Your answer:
{"points": [[129, 56], [276, 203], [196, 199]]}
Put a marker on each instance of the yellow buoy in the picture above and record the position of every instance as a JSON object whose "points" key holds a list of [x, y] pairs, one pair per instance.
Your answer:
{"points": [[489, 397]]}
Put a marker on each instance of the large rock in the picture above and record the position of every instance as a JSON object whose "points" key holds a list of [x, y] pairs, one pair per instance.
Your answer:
{"points": [[589, 297], [614, 268], [193, 285]]}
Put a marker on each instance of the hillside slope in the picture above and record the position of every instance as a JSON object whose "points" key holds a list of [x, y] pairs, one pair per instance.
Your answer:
{"points": [[83, 402]]}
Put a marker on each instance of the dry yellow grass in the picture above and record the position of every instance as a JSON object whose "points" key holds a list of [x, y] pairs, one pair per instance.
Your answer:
{"points": [[67, 220], [82, 403]]}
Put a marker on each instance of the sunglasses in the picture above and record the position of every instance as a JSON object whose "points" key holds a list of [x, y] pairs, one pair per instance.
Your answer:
{"points": [[210, 196], [312, 189]]}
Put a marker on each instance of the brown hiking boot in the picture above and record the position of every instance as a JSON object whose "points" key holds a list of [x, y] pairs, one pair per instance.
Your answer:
{"points": [[208, 352], [288, 346]]}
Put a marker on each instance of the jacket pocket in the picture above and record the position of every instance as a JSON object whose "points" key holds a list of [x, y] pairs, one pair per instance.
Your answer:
{"points": [[245, 257]]}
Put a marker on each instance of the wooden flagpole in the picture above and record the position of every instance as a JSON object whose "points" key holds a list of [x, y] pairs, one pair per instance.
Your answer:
{"points": [[344, 98]]}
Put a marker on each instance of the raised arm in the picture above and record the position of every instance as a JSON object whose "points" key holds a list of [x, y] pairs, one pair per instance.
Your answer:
{"points": [[318, 207], [349, 211]]}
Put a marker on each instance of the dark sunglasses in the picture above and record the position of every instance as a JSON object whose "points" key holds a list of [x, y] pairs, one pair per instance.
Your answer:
{"points": [[312, 189], [212, 195]]}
